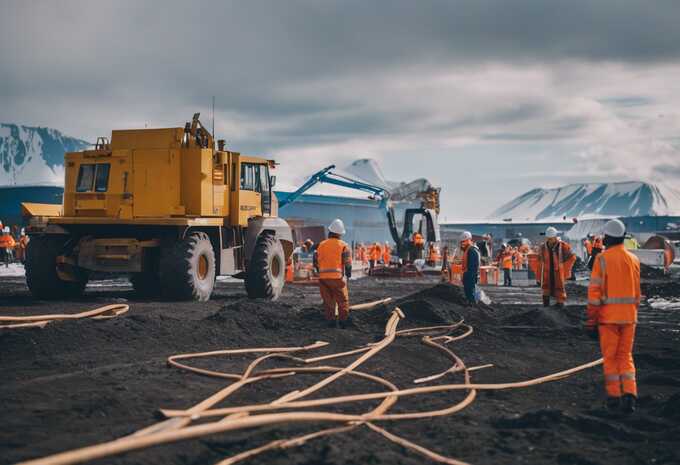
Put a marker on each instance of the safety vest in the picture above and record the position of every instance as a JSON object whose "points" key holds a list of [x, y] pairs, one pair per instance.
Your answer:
{"points": [[387, 253], [418, 239], [332, 256], [7, 241], [614, 290], [506, 261], [465, 256], [563, 260]]}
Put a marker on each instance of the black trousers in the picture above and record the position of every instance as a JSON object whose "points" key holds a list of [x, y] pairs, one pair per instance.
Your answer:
{"points": [[507, 277]]}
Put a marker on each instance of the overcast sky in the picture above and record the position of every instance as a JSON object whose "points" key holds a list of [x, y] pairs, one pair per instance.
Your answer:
{"points": [[487, 98]]}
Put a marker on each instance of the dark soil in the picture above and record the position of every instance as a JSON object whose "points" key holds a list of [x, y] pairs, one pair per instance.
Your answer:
{"points": [[82, 382], [650, 272]]}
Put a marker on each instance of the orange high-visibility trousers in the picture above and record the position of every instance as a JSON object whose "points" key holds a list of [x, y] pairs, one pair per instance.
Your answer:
{"points": [[616, 343], [334, 292]]}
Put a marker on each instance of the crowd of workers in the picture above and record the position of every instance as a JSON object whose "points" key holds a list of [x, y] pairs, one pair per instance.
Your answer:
{"points": [[13, 242], [613, 292]]}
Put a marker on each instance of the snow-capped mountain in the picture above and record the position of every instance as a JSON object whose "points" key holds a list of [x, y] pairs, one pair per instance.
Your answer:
{"points": [[34, 155], [632, 198]]}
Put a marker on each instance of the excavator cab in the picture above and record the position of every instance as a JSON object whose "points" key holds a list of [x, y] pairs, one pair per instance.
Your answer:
{"points": [[427, 226]]}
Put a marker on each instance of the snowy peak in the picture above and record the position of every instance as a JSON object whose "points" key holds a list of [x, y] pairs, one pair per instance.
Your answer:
{"points": [[34, 155], [632, 198]]}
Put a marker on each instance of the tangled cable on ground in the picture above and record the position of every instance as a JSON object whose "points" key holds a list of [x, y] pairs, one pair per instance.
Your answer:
{"points": [[184, 424], [40, 321]]}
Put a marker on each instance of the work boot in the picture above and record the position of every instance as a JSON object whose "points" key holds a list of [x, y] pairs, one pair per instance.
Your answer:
{"points": [[628, 403], [546, 301], [613, 403]]}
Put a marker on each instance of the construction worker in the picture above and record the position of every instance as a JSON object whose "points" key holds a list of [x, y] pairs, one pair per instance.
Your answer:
{"points": [[555, 261], [587, 246], [418, 245], [431, 255], [333, 261], [613, 299], [386, 253], [446, 276], [506, 258], [21, 246], [470, 265], [374, 256], [7, 244], [597, 247]]}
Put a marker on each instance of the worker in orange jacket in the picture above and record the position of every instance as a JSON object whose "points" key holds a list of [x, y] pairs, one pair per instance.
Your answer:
{"points": [[555, 262], [21, 247], [333, 262], [596, 248], [7, 245], [374, 254], [506, 257], [386, 253], [613, 299]]}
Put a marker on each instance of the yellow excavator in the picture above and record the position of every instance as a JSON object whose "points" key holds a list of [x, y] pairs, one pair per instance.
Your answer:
{"points": [[166, 207]]}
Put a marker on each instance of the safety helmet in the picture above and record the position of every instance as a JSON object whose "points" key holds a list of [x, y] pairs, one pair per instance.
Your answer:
{"points": [[337, 227], [465, 236], [615, 228], [550, 232], [5, 229]]}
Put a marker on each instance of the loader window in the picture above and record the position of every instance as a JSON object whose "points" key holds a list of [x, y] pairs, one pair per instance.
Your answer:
{"points": [[85, 178], [93, 177], [248, 177], [101, 179]]}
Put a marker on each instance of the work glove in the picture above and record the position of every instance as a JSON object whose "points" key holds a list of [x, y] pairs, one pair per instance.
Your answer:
{"points": [[348, 271]]}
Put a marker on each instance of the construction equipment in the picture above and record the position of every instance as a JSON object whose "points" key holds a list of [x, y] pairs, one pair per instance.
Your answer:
{"points": [[169, 209], [423, 219]]}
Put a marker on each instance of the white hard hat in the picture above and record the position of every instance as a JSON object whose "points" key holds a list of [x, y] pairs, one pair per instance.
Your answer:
{"points": [[337, 226], [615, 228], [551, 232], [465, 235], [6, 230]]}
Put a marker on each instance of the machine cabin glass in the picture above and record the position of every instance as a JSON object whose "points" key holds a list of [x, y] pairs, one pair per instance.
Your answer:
{"points": [[93, 177]]}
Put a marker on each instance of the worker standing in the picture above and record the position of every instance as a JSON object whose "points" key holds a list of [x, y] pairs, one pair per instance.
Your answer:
{"points": [[506, 257], [556, 261], [386, 253], [588, 247], [333, 261], [446, 272], [470, 265], [374, 256], [21, 246], [7, 244], [418, 245], [613, 299], [597, 247]]}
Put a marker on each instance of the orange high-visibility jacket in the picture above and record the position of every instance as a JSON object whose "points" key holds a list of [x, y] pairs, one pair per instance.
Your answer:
{"points": [[465, 255], [506, 261], [563, 260], [387, 253], [418, 239], [597, 243], [375, 252], [614, 290], [7, 241], [331, 257]]}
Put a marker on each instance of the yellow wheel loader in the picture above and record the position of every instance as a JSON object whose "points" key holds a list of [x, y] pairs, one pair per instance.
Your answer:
{"points": [[167, 208]]}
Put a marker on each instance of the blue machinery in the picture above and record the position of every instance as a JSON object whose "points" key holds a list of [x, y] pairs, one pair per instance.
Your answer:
{"points": [[403, 240], [327, 176]]}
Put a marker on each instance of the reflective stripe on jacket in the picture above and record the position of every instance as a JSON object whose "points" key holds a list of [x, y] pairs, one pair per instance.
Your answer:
{"points": [[332, 256], [506, 261], [614, 290], [562, 260]]}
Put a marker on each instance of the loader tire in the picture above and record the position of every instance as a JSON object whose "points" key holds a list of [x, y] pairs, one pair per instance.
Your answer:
{"points": [[146, 284], [41, 270], [187, 268], [266, 272]]}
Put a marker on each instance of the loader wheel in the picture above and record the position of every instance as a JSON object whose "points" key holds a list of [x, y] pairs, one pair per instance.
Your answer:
{"points": [[146, 284], [187, 269], [267, 268], [41, 270]]}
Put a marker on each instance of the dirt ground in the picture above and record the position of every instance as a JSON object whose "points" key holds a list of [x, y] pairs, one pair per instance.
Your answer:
{"points": [[78, 383]]}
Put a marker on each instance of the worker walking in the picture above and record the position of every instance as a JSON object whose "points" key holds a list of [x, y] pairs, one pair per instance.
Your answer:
{"points": [[470, 265], [333, 261], [613, 299], [506, 257], [556, 261]]}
